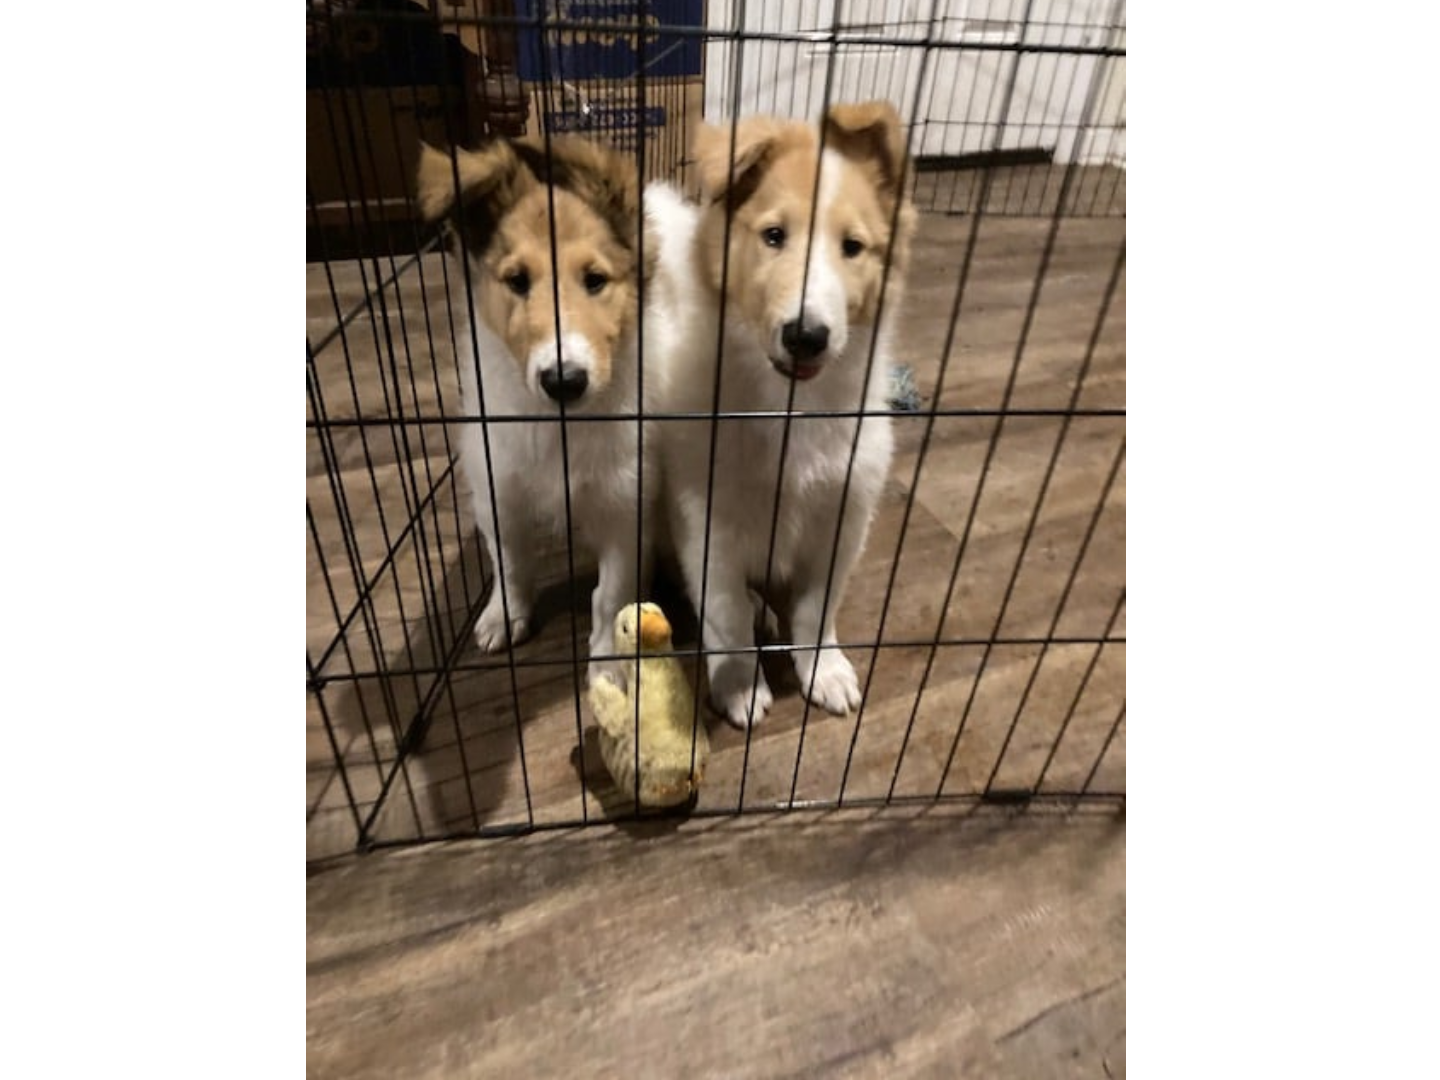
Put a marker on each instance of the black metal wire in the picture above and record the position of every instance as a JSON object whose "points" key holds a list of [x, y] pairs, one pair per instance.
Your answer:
{"points": [[455, 504], [708, 34], [1111, 66], [719, 414], [640, 82], [1059, 611], [1097, 801], [1060, 131], [774, 519], [549, 83], [424, 485], [395, 407], [410, 365], [449, 455], [337, 492], [362, 306], [474, 359], [880, 314], [947, 352], [1030, 100], [791, 389], [1024, 335], [1079, 693], [1104, 749], [364, 601], [1038, 504], [366, 585], [726, 228], [316, 681], [781, 649], [375, 303], [1100, 504], [317, 690], [377, 320], [415, 734], [429, 500], [1002, 118], [406, 456]]}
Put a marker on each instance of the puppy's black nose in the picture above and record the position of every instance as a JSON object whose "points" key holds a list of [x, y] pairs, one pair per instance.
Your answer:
{"points": [[566, 387], [802, 342]]}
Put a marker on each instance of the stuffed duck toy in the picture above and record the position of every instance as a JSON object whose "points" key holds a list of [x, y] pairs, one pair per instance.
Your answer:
{"points": [[670, 730]]}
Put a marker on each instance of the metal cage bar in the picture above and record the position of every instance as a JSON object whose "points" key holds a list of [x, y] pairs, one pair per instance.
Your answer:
{"points": [[986, 628]]}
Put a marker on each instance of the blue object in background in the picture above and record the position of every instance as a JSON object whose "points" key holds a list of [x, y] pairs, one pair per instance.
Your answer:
{"points": [[600, 53]]}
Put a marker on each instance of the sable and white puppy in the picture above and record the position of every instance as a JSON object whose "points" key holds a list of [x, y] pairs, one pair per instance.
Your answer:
{"points": [[797, 268], [548, 338]]}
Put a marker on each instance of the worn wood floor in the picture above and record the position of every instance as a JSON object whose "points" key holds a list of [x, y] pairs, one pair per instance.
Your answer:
{"points": [[1024, 190], [931, 945], [1022, 521], [778, 945]]}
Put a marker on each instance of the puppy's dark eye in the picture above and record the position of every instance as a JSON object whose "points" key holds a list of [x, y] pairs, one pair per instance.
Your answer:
{"points": [[518, 283], [774, 236], [850, 247], [595, 282]]}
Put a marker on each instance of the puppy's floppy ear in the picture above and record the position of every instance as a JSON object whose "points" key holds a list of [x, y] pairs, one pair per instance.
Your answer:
{"points": [[755, 141], [434, 187], [487, 181], [493, 173], [870, 131]]}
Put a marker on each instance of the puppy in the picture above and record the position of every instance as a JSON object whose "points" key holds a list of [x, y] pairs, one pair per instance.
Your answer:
{"points": [[548, 338], [786, 275]]}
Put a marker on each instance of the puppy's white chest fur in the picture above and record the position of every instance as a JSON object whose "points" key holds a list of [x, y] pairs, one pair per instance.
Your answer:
{"points": [[811, 463], [597, 460], [785, 336]]}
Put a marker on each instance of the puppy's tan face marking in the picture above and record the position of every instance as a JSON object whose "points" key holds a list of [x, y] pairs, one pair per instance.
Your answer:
{"points": [[597, 292], [773, 204], [504, 215]]}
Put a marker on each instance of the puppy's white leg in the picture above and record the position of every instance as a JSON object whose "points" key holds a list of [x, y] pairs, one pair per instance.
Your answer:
{"points": [[618, 555], [506, 543], [738, 689], [827, 678]]}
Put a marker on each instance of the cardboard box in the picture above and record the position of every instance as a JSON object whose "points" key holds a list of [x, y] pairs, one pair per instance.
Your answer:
{"points": [[611, 110], [582, 75], [378, 80], [596, 39]]}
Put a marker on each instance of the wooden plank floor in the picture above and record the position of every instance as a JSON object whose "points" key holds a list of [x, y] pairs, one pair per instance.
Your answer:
{"points": [[506, 749], [1025, 190], [926, 945]]}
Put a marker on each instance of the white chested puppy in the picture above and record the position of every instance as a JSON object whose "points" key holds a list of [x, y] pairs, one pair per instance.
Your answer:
{"points": [[797, 268], [551, 337]]}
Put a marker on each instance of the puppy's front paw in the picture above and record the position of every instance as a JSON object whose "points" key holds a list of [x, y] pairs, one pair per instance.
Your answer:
{"points": [[490, 631], [740, 693], [828, 680]]}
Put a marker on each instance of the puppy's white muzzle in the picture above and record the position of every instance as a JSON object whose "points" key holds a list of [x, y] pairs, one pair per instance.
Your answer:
{"points": [[559, 372]]}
